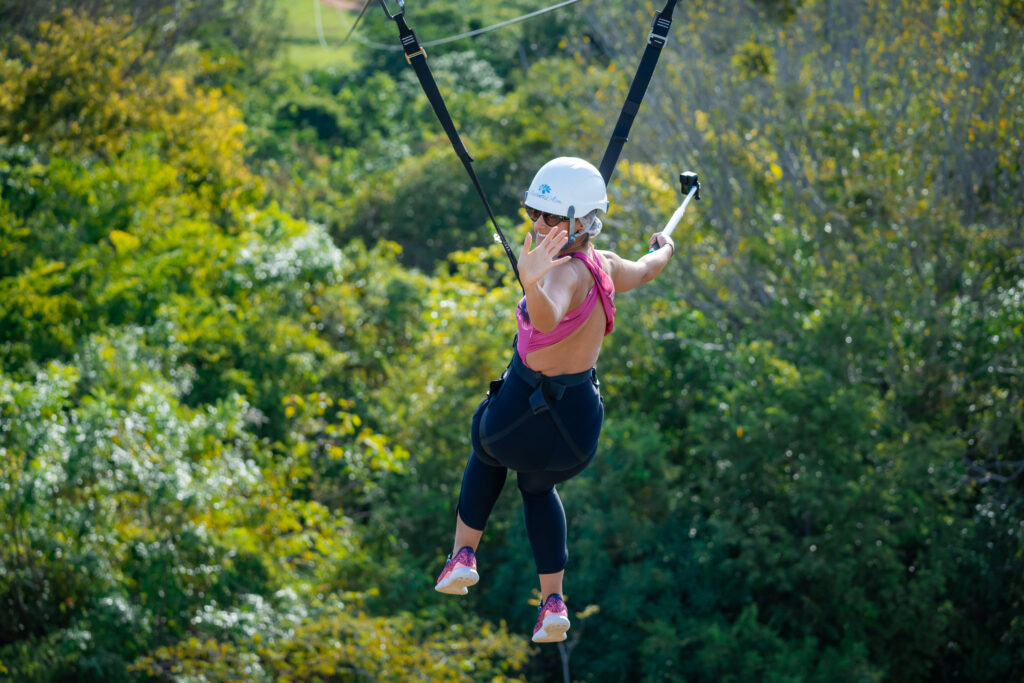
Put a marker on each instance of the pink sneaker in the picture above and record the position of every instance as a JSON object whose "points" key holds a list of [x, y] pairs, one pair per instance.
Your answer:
{"points": [[552, 621], [458, 573]]}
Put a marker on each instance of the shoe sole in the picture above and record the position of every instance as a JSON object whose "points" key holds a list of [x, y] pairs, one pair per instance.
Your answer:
{"points": [[458, 581], [552, 630]]}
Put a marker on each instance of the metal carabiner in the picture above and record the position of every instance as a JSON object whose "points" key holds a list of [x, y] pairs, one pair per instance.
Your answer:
{"points": [[401, 4]]}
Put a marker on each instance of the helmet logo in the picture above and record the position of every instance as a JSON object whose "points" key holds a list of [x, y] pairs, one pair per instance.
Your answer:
{"points": [[545, 189]]}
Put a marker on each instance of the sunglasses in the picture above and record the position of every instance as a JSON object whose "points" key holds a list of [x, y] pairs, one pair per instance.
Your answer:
{"points": [[550, 219]]}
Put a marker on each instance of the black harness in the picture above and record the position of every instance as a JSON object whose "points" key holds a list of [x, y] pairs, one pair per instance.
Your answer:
{"points": [[656, 40], [417, 58], [546, 392]]}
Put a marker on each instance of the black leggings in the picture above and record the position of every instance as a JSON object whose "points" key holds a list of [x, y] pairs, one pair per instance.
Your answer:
{"points": [[544, 428]]}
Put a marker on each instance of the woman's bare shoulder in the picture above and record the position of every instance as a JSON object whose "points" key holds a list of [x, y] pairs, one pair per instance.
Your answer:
{"points": [[609, 260], [581, 274]]}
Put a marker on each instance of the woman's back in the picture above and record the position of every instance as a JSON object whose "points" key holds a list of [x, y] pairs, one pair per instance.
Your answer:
{"points": [[580, 349]]}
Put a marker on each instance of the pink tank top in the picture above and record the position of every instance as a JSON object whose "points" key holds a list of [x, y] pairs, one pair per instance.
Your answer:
{"points": [[604, 289]]}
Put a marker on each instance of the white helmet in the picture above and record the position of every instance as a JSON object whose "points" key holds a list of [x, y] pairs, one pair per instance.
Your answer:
{"points": [[567, 182]]}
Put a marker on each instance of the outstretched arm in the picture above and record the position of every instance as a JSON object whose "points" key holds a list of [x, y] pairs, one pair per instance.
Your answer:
{"points": [[629, 275]]}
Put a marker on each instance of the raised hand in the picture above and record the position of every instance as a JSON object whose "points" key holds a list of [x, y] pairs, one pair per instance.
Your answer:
{"points": [[533, 265]]}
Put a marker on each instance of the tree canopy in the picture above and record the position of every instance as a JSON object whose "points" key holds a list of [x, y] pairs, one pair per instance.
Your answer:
{"points": [[248, 306]]}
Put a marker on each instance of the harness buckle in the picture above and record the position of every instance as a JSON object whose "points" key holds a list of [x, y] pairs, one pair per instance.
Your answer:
{"points": [[655, 37], [538, 401], [418, 53], [546, 391], [656, 40]]}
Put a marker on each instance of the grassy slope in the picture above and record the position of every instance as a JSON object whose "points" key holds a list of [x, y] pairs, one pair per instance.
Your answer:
{"points": [[303, 48]]}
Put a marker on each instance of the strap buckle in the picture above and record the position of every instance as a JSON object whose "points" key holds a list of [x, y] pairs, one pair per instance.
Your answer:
{"points": [[538, 401], [655, 37], [656, 40], [545, 392], [419, 53]]}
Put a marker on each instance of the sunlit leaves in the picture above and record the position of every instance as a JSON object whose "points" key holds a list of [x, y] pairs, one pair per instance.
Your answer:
{"points": [[326, 642], [85, 86]]}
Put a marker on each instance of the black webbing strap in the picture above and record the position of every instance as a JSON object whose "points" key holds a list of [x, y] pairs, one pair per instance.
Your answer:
{"points": [[417, 58], [655, 41]]}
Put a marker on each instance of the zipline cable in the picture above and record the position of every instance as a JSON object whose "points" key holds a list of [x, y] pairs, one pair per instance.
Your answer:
{"points": [[468, 34], [320, 24], [351, 31]]}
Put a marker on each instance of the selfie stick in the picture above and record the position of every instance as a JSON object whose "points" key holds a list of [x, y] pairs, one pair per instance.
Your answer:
{"points": [[690, 186]]}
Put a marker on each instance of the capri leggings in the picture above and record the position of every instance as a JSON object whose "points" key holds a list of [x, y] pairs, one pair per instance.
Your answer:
{"points": [[544, 428]]}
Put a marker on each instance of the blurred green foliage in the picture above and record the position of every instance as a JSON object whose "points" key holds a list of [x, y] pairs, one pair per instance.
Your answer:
{"points": [[247, 309]]}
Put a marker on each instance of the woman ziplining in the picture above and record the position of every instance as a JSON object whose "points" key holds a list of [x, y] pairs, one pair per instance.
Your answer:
{"points": [[543, 416]]}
